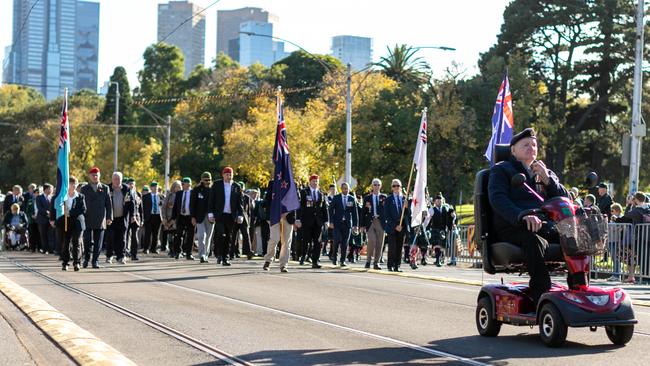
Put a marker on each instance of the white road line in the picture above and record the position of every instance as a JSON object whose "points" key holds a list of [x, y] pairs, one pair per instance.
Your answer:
{"points": [[412, 346]]}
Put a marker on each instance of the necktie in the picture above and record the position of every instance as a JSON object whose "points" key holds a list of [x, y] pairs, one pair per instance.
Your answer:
{"points": [[374, 205], [183, 210], [399, 204], [313, 195], [155, 203]]}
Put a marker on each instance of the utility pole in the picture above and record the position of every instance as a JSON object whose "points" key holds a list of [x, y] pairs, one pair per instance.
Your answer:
{"points": [[348, 127], [168, 151], [117, 122], [638, 129]]}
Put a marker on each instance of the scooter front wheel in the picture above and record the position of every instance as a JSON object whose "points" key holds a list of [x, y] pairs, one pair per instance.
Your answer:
{"points": [[552, 327], [486, 323], [620, 334]]}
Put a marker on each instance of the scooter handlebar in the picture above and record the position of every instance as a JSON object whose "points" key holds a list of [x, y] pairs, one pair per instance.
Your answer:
{"points": [[524, 213]]}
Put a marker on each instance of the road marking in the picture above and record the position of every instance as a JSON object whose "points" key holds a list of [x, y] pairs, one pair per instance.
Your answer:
{"points": [[217, 353], [79, 344], [433, 352]]}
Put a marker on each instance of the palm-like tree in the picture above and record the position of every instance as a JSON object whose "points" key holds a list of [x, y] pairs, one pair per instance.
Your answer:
{"points": [[402, 65]]}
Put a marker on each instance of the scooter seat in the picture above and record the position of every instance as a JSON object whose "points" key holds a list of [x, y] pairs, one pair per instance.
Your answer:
{"points": [[509, 255]]}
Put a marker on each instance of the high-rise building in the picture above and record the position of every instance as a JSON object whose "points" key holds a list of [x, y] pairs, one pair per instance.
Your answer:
{"points": [[87, 45], [263, 49], [44, 54], [190, 37], [354, 50], [228, 27]]}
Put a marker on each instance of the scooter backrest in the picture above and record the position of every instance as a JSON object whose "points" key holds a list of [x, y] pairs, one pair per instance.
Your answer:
{"points": [[483, 217], [502, 152]]}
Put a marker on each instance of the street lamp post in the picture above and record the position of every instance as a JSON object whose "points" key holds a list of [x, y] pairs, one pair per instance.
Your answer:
{"points": [[117, 119], [638, 128], [348, 126]]}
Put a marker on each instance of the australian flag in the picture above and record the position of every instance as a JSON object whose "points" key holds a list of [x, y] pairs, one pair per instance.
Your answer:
{"points": [[63, 167], [502, 119], [285, 195]]}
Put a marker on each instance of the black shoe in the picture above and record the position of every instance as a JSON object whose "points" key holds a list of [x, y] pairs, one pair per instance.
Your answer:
{"points": [[135, 258], [218, 260], [64, 267], [367, 265], [343, 265], [390, 269], [381, 261], [154, 252], [376, 266], [249, 256], [424, 262], [266, 266], [334, 261], [146, 251], [76, 267], [284, 270], [96, 265], [302, 261], [177, 256], [397, 269], [225, 262], [316, 266], [414, 266], [438, 264], [203, 260], [189, 258], [85, 264]]}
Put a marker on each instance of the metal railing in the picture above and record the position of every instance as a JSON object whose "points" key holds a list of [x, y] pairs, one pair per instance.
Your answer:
{"points": [[462, 246], [627, 253]]}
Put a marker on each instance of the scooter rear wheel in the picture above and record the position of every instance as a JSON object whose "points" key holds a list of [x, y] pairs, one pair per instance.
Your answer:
{"points": [[486, 323], [620, 334], [552, 328]]}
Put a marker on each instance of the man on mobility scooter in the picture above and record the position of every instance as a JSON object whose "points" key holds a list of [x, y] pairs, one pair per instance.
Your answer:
{"points": [[511, 201]]}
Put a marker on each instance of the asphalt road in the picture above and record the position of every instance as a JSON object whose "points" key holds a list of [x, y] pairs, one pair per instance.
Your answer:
{"points": [[304, 317]]}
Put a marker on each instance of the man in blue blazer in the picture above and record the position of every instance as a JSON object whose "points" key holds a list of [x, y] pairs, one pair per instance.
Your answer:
{"points": [[344, 217], [395, 229]]}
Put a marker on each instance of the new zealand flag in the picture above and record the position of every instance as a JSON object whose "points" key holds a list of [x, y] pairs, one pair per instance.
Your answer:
{"points": [[285, 195]]}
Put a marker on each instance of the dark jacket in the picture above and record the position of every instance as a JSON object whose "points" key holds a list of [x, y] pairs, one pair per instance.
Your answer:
{"points": [[10, 199], [218, 198], [341, 214], [313, 210], [369, 208], [441, 218], [259, 213], [98, 206], [178, 204], [268, 199], [200, 202], [147, 205], [76, 220], [9, 216], [392, 214], [636, 215], [129, 205], [43, 206], [507, 202], [604, 203]]}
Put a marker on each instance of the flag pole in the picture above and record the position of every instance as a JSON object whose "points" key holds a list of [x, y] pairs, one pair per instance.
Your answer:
{"points": [[408, 185]]}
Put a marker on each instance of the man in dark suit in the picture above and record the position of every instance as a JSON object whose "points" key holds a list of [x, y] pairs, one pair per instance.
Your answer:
{"points": [[312, 214], [344, 217], [135, 221], [43, 203], [508, 202], [16, 196], [373, 205], [396, 219], [152, 206], [604, 200], [70, 225], [199, 205], [243, 228], [225, 209], [99, 214], [184, 238], [123, 208]]}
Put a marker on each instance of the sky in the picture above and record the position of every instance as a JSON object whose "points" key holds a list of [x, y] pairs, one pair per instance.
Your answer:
{"points": [[127, 27]]}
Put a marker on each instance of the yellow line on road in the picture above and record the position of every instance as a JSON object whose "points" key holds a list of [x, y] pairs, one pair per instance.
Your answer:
{"points": [[81, 345]]}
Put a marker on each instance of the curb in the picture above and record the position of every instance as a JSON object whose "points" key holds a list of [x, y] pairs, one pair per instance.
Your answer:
{"points": [[83, 347], [643, 303]]}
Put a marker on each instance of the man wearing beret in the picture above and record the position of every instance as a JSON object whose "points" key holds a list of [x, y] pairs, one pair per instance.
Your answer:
{"points": [[604, 200], [225, 209], [312, 214], [199, 204], [152, 206], [99, 214], [508, 202], [184, 238]]}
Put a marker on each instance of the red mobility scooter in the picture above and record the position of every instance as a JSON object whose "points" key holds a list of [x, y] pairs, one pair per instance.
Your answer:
{"points": [[582, 233]]}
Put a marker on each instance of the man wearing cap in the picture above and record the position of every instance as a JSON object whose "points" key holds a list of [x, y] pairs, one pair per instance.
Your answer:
{"points": [[508, 202], [152, 207], [373, 204], [312, 214], [199, 205], [396, 219], [184, 238], [225, 209], [99, 214], [441, 224], [135, 221], [123, 208], [344, 217], [604, 200]]}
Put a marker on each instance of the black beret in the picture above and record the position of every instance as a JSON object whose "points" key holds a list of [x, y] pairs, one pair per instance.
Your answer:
{"points": [[602, 185], [438, 196], [526, 133], [130, 180]]}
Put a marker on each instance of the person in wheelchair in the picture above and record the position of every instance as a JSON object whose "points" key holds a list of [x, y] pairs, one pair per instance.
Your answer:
{"points": [[15, 223], [508, 202]]}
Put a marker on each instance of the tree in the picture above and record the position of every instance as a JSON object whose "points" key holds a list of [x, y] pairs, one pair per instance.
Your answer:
{"points": [[303, 70], [163, 71], [126, 101], [403, 66]]}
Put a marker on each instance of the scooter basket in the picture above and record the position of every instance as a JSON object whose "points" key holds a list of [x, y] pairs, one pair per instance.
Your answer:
{"points": [[583, 234]]}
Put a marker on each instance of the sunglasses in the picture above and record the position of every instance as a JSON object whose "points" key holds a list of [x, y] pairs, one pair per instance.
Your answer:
{"points": [[376, 185], [396, 186]]}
